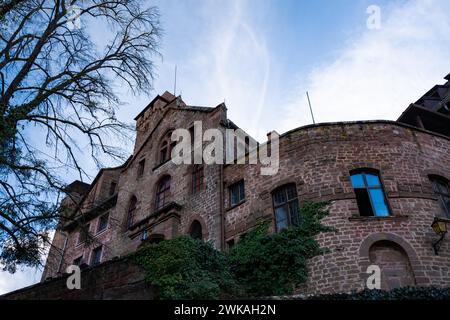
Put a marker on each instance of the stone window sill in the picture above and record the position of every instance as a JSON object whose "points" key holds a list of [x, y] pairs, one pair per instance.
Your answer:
{"points": [[235, 205], [374, 218]]}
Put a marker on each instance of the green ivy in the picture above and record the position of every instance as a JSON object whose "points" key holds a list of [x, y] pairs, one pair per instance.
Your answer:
{"points": [[274, 264], [185, 268], [260, 264]]}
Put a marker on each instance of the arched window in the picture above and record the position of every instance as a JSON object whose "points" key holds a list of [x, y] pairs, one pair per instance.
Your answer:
{"points": [[166, 146], [162, 192], [196, 230], [131, 211], [441, 187], [285, 206], [369, 193]]}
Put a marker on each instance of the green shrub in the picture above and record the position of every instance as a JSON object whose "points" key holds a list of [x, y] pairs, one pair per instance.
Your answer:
{"points": [[274, 264], [258, 265], [184, 268]]}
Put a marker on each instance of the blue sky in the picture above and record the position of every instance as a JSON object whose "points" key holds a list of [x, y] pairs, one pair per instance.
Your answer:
{"points": [[261, 56]]}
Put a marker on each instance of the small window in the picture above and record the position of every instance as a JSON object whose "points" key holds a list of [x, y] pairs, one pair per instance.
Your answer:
{"points": [[96, 256], [441, 188], [285, 205], [196, 230], [112, 188], [162, 192], [369, 194], [197, 178], [164, 152], [141, 168], [131, 211], [144, 235], [237, 193], [166, 147], [103, 222], [78, 261], [83, 234]]}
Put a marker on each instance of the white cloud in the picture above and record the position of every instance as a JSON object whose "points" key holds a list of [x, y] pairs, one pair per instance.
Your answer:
{"points": [[382, 71], [22, 278], [229, 61]]}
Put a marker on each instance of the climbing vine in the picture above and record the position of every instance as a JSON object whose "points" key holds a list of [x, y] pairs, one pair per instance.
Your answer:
{"points": [[260, 264], [274, 264]]}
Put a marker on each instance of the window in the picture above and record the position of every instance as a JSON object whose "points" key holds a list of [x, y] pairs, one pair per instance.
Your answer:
{"points": [[442, 189], [83, 234], [285, 205], [197, 178], [144, 235], [165, 150], [196, 230], [78, 261], [131, 211], [369, 194], [162, 192], [237, 193], [141, 167], [96, 257], [112, 188], [102, 222]]}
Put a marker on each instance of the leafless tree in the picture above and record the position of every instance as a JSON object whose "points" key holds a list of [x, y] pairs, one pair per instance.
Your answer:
{"points": [[56, 79]]}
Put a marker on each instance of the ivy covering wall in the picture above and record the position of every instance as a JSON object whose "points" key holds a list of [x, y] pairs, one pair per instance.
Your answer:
{"points": [[260, 264]]}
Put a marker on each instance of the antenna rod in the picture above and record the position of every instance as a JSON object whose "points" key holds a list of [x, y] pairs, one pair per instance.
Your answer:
{"points": [[175, 82], [310, 108]]}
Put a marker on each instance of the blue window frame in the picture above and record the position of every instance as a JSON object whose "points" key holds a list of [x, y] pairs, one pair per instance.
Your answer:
{"points": [[370, 194]]}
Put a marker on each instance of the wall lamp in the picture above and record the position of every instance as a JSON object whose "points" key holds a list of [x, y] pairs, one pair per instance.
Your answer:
{"points": [[440, 228]]}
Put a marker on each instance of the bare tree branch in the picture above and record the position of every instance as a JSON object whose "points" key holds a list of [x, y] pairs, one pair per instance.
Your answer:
{"points": [[57, 81]]}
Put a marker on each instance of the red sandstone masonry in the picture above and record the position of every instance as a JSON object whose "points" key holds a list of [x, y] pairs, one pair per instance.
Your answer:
{"points": [[318, 160]]}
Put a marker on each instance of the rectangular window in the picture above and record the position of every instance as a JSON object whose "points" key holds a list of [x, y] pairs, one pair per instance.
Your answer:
{"points": [[141, 167], [369, 194], [237, 193], [285, 204], [83, 234], [112, 188], [103, 222], [197, 178], [144, 235], [96, 256], [441, 188]]}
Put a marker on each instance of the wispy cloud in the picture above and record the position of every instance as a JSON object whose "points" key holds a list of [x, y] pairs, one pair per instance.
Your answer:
{"points": [[231, 62], [379, 73]]}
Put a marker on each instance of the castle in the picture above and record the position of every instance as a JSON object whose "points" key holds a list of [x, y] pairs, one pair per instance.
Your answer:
{"points": [[386, 180]]}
